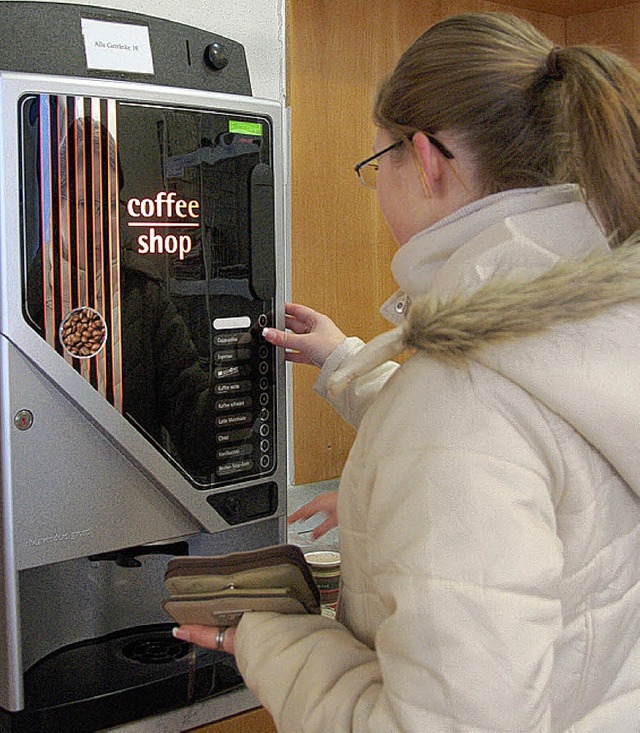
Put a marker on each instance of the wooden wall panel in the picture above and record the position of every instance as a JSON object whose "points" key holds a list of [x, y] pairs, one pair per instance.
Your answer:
{"points": [[341, 249], [568, 8], [618, 29]]}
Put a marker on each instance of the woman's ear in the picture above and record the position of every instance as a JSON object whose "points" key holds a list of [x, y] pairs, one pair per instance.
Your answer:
{"points": [[430, 159]]}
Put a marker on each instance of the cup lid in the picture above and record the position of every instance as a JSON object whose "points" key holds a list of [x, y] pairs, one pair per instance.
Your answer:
{"points": [[323, 558]]}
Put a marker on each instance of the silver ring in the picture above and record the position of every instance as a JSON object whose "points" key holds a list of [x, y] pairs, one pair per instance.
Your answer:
{"points": [[220, 639]]}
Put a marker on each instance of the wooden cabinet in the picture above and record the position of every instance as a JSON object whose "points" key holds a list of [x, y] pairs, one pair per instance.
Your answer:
{"points": [[616, 28], [253, 721], [568, 8]]}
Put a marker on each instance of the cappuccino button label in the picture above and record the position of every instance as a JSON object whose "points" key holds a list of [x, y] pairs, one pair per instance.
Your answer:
{"points": [[231, 339]]}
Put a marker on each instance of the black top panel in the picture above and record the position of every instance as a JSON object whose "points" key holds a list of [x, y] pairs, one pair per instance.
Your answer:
{"points": [[55, 38]]}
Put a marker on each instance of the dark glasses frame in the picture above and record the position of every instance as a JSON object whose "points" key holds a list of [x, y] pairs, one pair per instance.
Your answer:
{"points": [[443, 149]]}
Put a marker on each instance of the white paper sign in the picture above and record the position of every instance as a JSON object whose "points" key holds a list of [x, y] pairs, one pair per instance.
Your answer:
{"points": [[117, 46]]}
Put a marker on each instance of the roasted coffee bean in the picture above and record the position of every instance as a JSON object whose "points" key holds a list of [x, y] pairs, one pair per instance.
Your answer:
{"points": [[83, 332]]}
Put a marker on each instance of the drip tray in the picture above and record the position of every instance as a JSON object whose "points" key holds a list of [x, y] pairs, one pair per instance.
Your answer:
{"points": [[116, 679]]}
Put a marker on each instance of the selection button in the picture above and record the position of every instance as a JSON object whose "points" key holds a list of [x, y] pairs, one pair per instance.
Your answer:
{"points": [[235, 467], [233, 451], [232, 324], [226, 421], [226, 388], [234, 436], [233, 403], [230, 372]]}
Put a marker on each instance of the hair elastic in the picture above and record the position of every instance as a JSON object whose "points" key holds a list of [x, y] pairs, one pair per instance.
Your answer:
{"points": [[553, 70]]}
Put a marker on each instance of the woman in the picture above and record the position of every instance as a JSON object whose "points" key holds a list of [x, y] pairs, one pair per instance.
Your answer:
{"points": [[489, 509]]}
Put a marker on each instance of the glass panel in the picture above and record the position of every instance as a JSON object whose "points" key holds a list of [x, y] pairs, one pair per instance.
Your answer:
{"points": [[148, 255]]}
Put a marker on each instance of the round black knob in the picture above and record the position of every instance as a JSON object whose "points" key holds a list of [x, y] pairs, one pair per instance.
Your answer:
{"points": [[215, 56]]}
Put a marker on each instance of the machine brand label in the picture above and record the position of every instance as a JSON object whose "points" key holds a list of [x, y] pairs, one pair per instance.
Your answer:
{"points": [[58, 537]]}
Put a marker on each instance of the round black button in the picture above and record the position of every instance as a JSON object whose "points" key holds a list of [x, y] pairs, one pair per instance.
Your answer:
{"points": [[215, 56]]}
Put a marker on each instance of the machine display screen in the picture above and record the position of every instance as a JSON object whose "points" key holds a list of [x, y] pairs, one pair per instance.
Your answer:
{"points": [[148, 265]]}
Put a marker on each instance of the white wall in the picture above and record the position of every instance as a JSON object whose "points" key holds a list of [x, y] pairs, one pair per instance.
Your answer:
{"points": [[257, 24]]}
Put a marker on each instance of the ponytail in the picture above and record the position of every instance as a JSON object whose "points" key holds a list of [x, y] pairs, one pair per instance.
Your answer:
{"points": [[601, 111]]}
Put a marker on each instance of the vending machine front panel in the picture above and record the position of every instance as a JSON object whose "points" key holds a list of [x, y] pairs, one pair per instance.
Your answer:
{"points": [[149, 267]]}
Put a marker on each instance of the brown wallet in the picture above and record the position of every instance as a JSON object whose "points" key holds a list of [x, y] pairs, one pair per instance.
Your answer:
{"points": [[217, 591]]}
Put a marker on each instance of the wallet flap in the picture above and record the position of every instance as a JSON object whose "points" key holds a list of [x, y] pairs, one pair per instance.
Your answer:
{"points": [[227, 610], [237, 561]]}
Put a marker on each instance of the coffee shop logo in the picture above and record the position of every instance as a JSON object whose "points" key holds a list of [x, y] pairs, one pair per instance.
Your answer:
{"points": [[160, 217]]}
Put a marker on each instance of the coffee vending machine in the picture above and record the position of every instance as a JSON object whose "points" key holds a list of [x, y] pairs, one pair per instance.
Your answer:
{"points": [[142, 241]]}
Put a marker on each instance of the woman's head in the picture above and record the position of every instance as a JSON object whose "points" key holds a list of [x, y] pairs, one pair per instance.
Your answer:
{"points": [[88, 152], [524, 117]]}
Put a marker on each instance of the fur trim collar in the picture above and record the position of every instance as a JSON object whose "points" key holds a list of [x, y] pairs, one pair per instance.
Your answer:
{"points": [[504, 310], [515, 307]]}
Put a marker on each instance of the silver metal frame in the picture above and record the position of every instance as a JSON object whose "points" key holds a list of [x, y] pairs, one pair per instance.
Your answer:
{"points": [[53, 506]]}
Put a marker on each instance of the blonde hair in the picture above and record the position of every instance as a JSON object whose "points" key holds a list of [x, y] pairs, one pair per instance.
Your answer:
{"points": [[486, 78]]}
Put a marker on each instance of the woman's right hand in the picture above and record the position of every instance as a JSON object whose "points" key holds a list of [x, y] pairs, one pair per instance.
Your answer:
{"points": [[310, 336], [327, 503]]}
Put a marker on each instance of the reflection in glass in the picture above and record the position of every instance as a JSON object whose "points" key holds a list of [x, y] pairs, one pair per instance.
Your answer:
{"points": [[151, 217]]}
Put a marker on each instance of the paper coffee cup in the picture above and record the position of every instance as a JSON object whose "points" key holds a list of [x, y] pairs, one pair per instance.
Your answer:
{"points": [[325, 568]]}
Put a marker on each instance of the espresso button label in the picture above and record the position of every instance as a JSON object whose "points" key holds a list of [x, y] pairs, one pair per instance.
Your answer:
{"points": [[224, 357]]}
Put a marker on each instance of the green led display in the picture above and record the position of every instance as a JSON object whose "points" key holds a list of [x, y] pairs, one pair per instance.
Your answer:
{"points": [[246, 128]]}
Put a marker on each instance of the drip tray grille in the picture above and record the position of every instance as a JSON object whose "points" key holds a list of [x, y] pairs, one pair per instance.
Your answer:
{"points": [[157, 649]]}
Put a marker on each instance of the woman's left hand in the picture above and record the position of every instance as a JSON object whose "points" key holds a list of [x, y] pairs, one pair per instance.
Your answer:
{"points": [[207, 636], [327, 503]]}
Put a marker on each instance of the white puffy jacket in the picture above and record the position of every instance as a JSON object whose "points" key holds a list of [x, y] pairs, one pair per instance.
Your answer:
{"points": [[489, 510]]}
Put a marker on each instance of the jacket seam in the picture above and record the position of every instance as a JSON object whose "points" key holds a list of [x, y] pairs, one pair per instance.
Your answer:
{"points": [[588, 623]]}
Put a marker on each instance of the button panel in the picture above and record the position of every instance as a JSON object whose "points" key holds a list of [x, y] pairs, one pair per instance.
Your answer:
{"points": [[243, 378]]}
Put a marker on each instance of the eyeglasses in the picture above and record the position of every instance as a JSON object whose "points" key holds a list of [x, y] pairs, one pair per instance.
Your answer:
{"points": [[367, 170]]}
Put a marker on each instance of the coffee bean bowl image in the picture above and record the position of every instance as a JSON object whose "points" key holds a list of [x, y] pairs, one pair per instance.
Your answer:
{"points": [[83, 333]]}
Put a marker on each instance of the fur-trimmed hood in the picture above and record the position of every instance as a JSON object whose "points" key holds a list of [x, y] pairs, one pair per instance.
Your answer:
{"points": [[569, 335], [515, 307]]}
